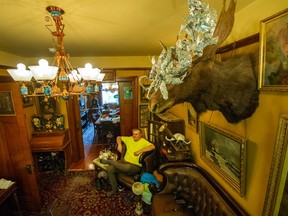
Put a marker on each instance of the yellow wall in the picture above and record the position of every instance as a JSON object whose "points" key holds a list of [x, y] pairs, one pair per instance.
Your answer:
{"points": [[260, 129]]}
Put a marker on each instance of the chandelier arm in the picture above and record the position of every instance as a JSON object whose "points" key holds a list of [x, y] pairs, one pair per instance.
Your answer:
{"points": [[61, 71]]}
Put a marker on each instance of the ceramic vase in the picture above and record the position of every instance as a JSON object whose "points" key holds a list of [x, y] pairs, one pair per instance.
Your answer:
{"points": [[37, 122], [60, 122]]}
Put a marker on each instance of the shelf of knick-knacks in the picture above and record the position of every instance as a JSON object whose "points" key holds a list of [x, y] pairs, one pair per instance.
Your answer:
{"points": [[48, 122]]}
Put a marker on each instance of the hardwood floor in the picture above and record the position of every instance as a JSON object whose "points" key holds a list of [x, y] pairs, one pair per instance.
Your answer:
{"points": [[91, 150]]}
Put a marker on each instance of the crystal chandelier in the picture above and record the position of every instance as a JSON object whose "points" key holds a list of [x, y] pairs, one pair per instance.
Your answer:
{"points": [[61, 79]]}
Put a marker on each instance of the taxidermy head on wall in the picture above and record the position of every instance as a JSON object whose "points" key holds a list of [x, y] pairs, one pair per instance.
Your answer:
{"points": [[188, 71]]}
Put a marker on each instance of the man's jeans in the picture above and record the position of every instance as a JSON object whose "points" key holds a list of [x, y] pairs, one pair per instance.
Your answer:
{"points": [[120, 166]]}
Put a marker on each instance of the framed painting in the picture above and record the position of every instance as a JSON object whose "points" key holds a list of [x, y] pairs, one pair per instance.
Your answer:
{"points": [[28, 101], [225, 153], [6, 104], [143, 94], [274, 52], [192, 117], [276, 201], [144, 116]]}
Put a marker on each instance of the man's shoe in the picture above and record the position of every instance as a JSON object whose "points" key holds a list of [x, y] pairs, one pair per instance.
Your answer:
{"points": [[103, 184], [97, 184], [120, 188]]}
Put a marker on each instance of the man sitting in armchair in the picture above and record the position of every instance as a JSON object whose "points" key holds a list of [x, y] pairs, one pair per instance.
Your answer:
{"points": [[135, 146]]}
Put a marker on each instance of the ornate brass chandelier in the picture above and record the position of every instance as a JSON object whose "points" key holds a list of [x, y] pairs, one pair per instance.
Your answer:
{"points": [[61, 79]]}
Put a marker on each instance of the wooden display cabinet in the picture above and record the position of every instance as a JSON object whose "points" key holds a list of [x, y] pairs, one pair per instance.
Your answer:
{"points": [[175, 125], [51, 150]]}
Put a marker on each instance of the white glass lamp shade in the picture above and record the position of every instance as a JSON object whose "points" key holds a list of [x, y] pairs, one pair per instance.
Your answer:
{"points": [[138, 188], [89, 73], [43, 71], [20, 74]]}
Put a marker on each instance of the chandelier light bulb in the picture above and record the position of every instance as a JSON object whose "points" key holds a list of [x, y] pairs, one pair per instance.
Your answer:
{"points": [[43, 63], [88, 66], [21, 67]]}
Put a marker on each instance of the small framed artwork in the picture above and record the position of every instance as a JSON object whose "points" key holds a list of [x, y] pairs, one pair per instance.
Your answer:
{"points": [[225, 153], [143, 94], [274, 52], [27, 101], [192, 117], [6, 104], [144, 116], [276, 200]]}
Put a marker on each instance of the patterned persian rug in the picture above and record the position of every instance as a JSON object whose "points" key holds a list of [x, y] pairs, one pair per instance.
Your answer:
{"points": [[74, 194]]}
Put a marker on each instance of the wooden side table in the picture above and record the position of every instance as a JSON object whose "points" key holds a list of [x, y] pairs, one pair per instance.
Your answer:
{"points": [[11, 191]]}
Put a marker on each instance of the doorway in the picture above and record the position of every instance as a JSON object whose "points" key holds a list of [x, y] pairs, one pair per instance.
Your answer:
{"points": [[128, 103]]}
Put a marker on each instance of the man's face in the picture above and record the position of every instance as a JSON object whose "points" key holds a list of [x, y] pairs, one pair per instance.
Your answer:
{"points": [[136, 135]]}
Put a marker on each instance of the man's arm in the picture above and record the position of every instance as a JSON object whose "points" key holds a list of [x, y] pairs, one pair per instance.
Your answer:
{"points": [[146, 149], [119, 144]]}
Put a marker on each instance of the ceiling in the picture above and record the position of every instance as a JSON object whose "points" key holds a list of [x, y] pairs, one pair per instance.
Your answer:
{"points": [[94, 27]]}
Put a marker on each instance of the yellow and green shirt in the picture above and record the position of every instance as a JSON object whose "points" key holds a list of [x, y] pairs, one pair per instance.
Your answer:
{"points": [[132, 146]]}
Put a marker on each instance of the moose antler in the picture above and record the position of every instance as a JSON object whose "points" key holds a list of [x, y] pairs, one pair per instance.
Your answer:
{"points": [[198, 39], [223, 28]]}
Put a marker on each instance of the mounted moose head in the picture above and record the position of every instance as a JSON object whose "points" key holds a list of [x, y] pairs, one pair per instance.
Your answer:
{"points": [[229, 87]]}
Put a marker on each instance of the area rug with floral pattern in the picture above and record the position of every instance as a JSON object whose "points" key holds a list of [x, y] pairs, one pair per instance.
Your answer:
{"points": [[73, 194]]}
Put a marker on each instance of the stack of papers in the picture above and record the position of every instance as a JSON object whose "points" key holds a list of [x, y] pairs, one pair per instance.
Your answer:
{"points": [[4, 184]]}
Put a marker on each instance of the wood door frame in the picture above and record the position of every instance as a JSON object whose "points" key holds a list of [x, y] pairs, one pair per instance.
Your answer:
{"points": [[19, 159], [75, 129], [74, 123], [134, 80]]}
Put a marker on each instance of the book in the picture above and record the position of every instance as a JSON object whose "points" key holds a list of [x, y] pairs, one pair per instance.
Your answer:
{"points": [[4, 184]]}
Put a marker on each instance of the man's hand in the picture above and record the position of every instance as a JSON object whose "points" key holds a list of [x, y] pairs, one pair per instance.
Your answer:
{"points": [[148, 148], [137, 153]]}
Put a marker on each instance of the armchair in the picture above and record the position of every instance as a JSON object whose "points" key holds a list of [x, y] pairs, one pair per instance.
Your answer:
{"points": [[147, 159], [188, 189]]}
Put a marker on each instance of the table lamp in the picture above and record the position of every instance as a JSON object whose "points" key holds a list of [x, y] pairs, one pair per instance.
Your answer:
{"points": [[138, 189]]}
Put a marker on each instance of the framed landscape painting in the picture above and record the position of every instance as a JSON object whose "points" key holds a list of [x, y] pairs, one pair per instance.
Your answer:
{"points": [[225, 153]]}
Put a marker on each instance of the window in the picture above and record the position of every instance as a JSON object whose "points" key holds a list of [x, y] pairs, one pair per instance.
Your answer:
{"points": [[110, 93]]}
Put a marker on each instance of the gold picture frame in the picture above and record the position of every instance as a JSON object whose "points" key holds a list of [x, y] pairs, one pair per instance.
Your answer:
{"points": [[273, 52], [144, 116], [6, 104], [277, 196], [225, 153], [192, 117], [143, 94]]}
